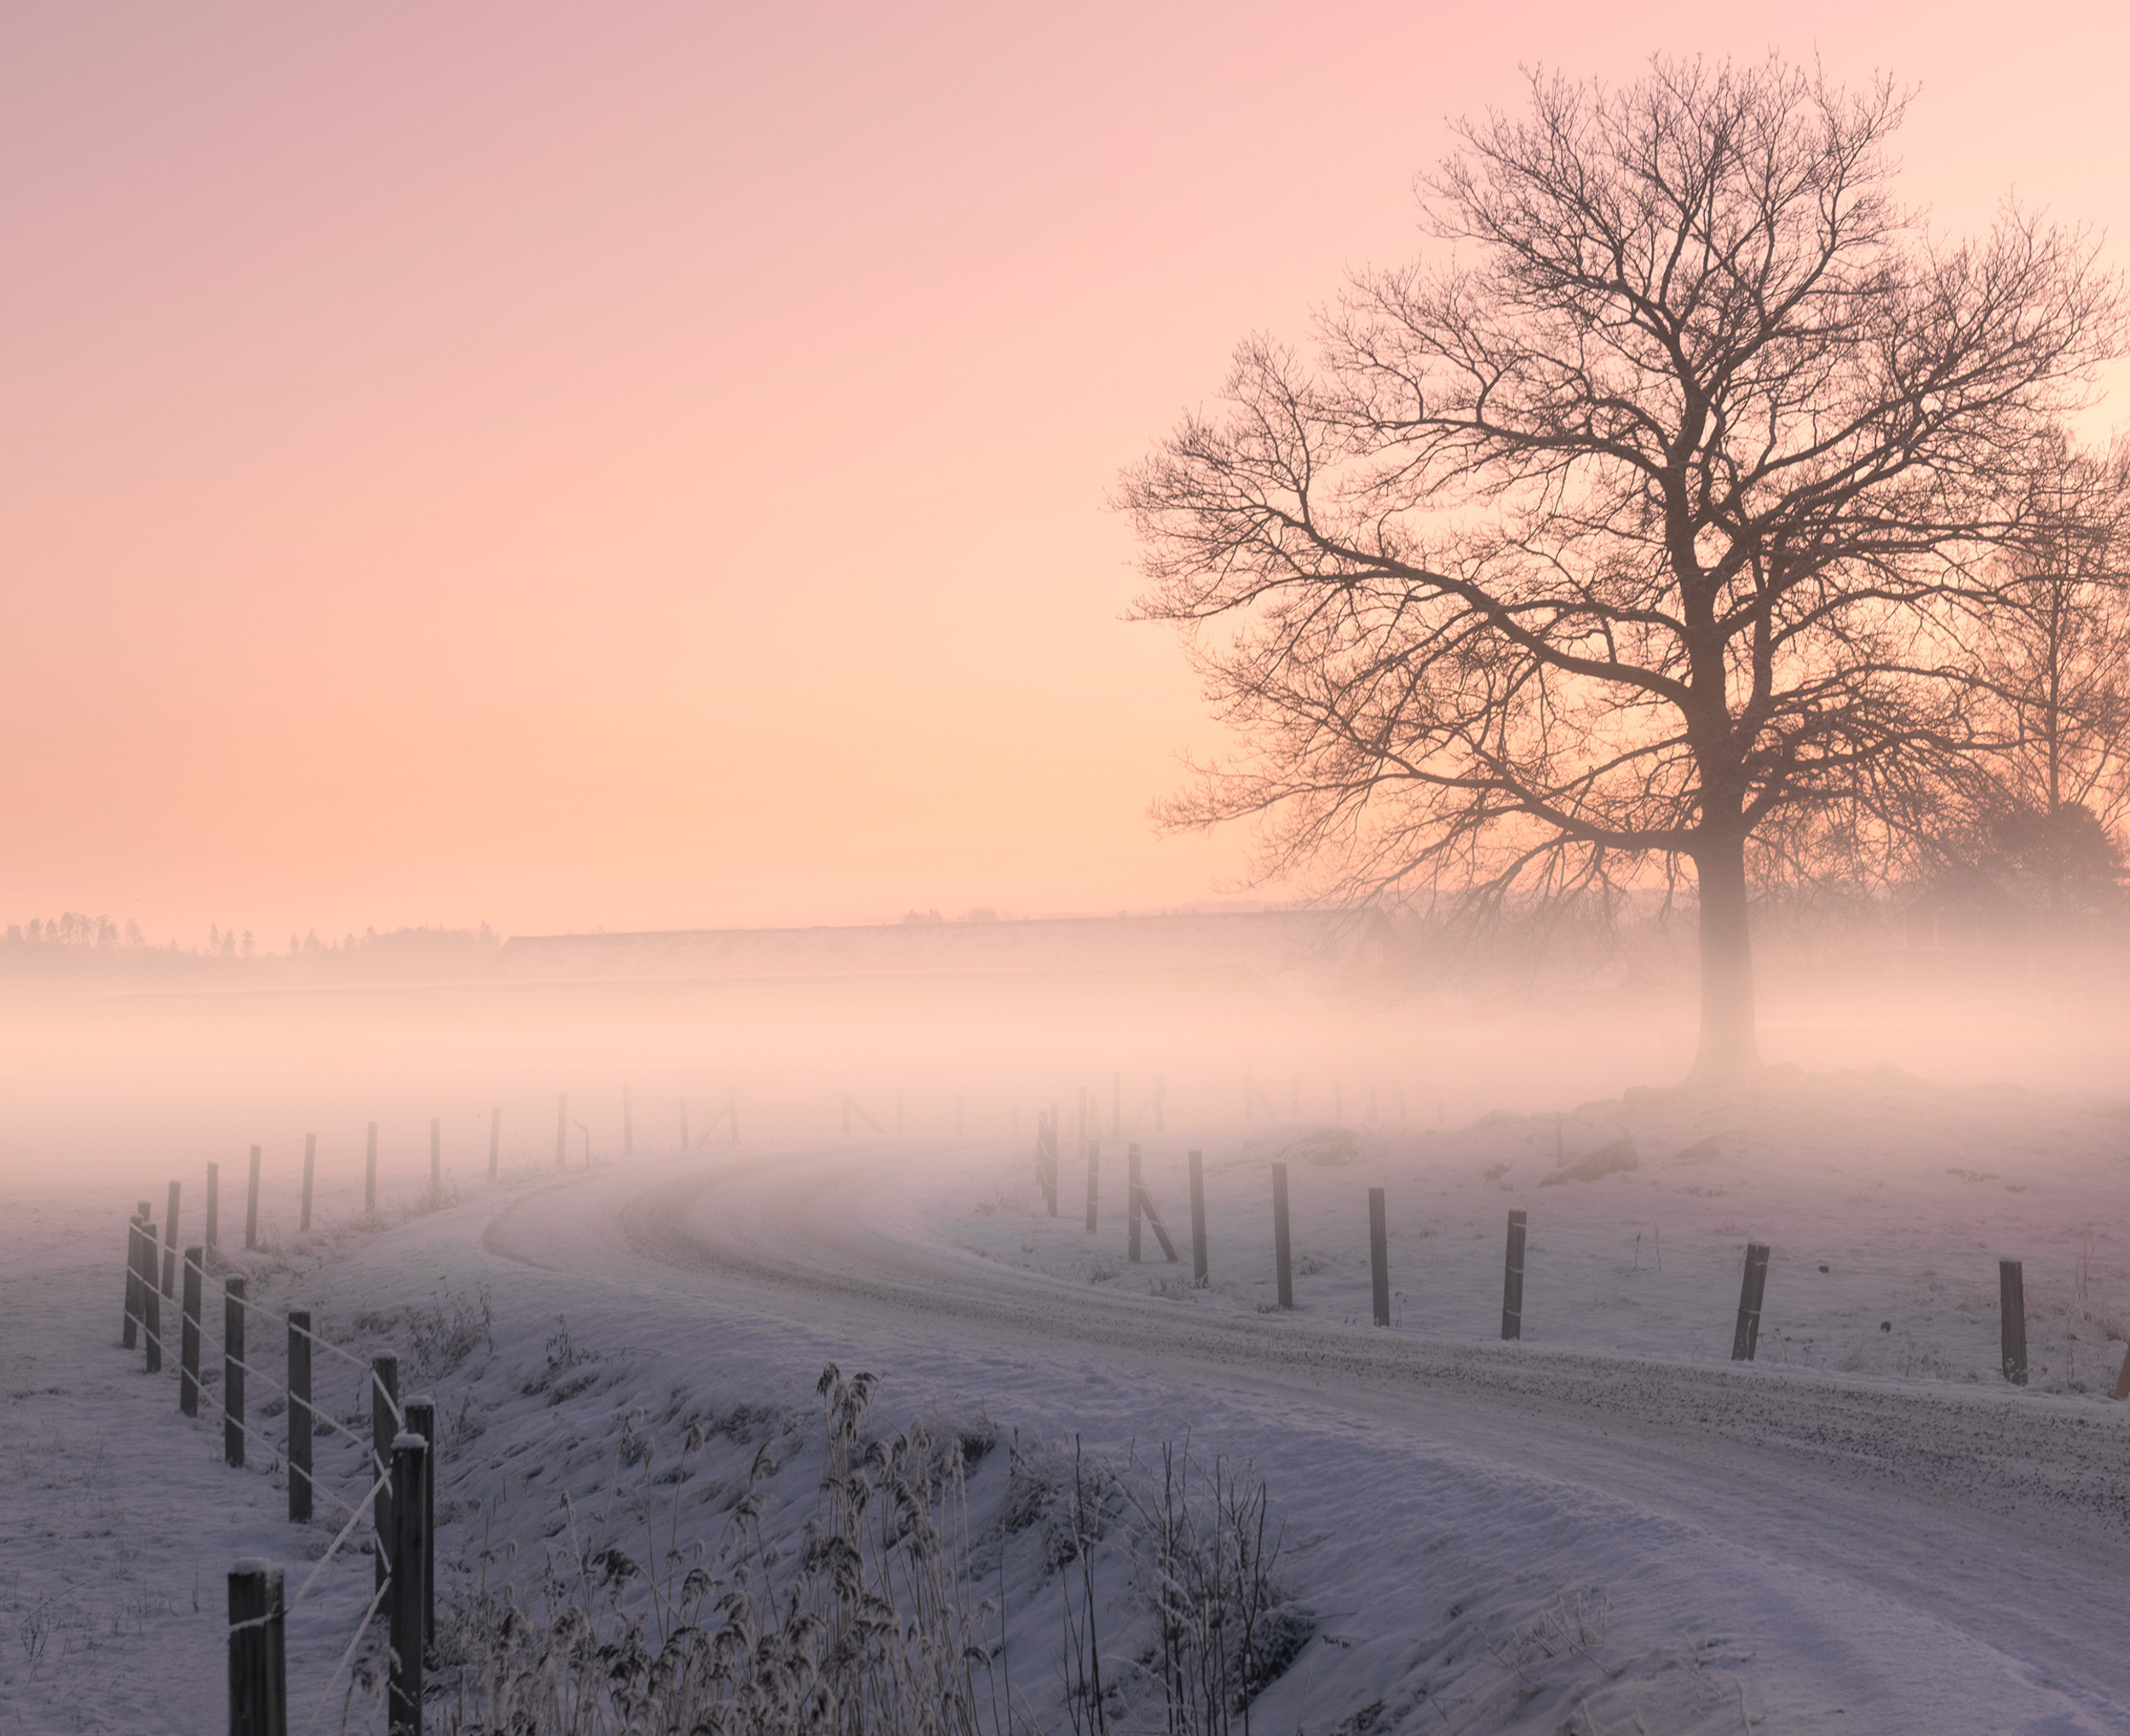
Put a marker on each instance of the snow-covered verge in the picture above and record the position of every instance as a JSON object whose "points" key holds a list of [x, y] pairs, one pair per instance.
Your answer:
{"points": [[1476, 1538]]}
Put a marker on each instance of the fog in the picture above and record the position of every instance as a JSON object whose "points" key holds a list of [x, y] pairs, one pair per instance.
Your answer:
{"points": [[119, 1085]]}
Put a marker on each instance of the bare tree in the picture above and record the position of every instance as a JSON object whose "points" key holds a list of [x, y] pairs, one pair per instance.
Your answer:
{"points": [[2058, 660], [1644, 528]]}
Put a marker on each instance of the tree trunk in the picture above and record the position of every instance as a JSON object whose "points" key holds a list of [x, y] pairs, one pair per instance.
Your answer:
{"points": [[1728, 1043]]}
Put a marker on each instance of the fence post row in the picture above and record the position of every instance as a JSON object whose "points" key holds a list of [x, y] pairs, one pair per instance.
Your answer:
{"points": [[1094, 1179], [2012, 1296], [421, 1419], [1282, 1248], [251, 1204], [299, 1416], [1750, 1295], [1513, 1279], [1133, 1191], [1198, 1220], [310, 1172], [258, 1668], [409, 1460], [188, 1337], [233, 1312], [170, 1242], [1379, 1256], [151, 1301], [212, 1241], [384, 1425], [130, 1328]]}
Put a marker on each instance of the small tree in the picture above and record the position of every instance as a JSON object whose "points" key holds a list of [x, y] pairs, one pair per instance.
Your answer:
{"points": [[1644, 528], [2058, 661]]}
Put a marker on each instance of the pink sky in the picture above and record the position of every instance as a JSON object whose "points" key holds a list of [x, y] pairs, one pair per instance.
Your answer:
{"points": [[644, 466]]}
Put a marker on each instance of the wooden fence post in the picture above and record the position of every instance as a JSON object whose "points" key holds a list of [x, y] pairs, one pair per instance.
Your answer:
{"points": [[421, 1419], [1198, 1220], [1134, 1192], [384, 1425], [409, 1461], [233, 1313], [150, 1302], [1094, 1178], [370, 1172], [1751, 1293], [1282, 1248], [2011, 1294], [170, 1242], [188, 1335], [310, 1175], [435, 1157], [130, 1330], [258, 1672], [251, 1204], [1512, 1279], [213, 1240], [299, 1416], [1047, 1159], [495, 1140], [561, 1130], [1379, 1256]]}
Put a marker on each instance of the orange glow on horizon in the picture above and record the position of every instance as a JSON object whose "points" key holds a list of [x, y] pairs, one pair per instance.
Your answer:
{"points": [[647, 470]]}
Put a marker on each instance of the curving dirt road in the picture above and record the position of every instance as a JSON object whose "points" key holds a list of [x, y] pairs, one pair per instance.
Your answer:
{"points": [[1982, 1535]]}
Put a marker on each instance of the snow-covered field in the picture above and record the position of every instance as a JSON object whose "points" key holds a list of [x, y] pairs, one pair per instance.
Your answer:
{"points": [[1606, 1526]]}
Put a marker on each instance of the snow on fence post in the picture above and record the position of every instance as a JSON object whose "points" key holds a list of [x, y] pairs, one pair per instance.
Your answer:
{"points": [[258, 1670], [1198, 1220], [561, 1130], [495, 1138], [151, 1301], [1379, 1256], [409, 1457], [421, 1419], [2012, 1296], [170, 1242], [435, 1157], [130, 1330], [188, 1335], [1282, 1247], [1751, 1293], [1512, 1279], [233, 1312], [1135, 1193], [299, 1416], [251, 1204], [310, 1175], [212, 1241], [1094, 1182], [370, 1171], [384, 1425]]}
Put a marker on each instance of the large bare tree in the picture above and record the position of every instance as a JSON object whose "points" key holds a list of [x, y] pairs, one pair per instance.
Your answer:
{"points": [[1644, 524]]}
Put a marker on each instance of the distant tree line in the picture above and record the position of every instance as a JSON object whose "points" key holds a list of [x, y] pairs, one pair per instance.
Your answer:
{"points": [[72, 948]]}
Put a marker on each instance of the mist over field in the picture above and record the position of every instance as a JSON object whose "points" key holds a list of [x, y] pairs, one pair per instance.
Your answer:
{"points": [[1090, 869]]}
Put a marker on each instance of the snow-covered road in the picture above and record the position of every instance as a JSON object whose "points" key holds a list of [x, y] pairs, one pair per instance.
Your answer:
{"points": [[1807, 1549]]}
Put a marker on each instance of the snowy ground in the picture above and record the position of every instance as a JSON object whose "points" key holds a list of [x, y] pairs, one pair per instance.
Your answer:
{"points": [[1865, 1531]]}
